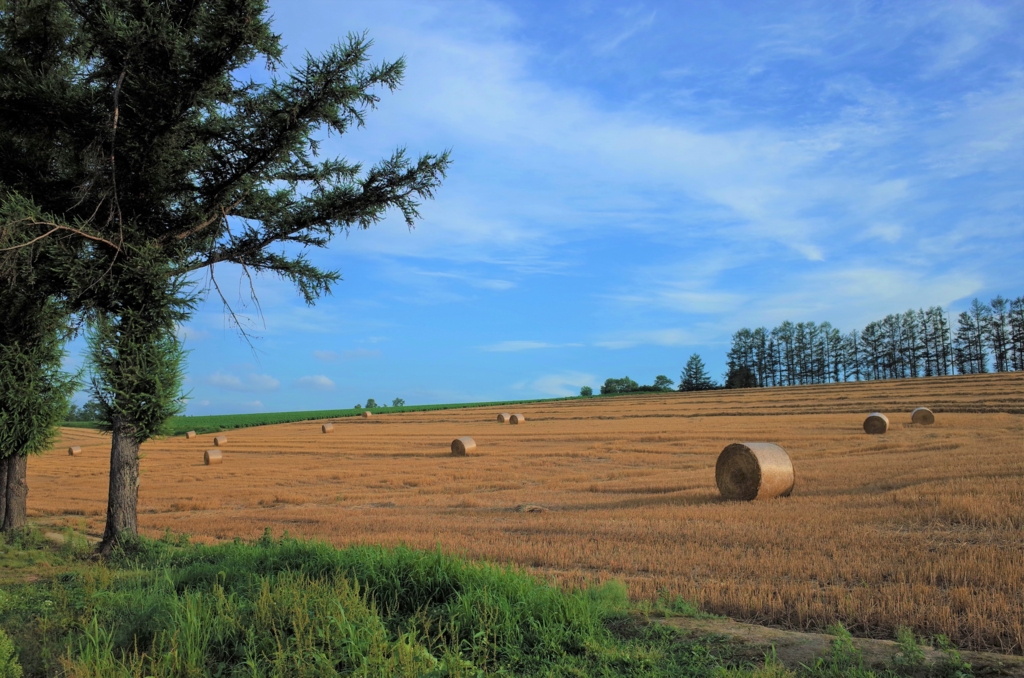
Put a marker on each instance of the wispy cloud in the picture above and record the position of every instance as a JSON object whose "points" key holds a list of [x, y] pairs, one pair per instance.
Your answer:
{"points": [[361, 353], [326, 356], [636, 21], [317, 382], [250, 382], [191, 334], [662, 337], [512, 346], [561, 384]]}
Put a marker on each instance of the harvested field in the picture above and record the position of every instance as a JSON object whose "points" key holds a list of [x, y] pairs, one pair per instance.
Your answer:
{"points": [[921, 526]]}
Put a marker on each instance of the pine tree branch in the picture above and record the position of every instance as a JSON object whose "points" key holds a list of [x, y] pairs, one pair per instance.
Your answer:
{"points": [[54, 229]]}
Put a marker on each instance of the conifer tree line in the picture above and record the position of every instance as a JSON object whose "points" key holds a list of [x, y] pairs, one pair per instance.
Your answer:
{"points": [[922, 343]]}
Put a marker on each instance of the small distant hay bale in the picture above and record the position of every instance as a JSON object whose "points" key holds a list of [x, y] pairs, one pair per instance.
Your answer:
{"points": [[74, 451], [504, 417], [190, 435], [516, 419], [212, 457], [876, 423], [463, 446], [220, 441], [748, 471], [367, 414], [327, 428], [923, 416]]}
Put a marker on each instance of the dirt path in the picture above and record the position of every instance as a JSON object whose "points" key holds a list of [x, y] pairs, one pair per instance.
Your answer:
{"points": [[795, 647]]}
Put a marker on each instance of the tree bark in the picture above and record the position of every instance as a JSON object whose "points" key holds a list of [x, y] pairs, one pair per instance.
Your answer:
{"points": [[3, 491], [15, 494], [123, 493]]}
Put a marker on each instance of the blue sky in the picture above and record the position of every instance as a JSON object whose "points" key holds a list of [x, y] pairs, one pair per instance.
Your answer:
{"points": [[633, 182]]}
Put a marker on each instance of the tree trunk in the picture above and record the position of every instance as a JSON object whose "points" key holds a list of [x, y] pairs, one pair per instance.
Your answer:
{"points": [[15, 493], [123, 493], [3, 491]]}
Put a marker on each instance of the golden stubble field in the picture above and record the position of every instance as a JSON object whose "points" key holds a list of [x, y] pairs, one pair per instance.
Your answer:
{"points": [[923, 526]]}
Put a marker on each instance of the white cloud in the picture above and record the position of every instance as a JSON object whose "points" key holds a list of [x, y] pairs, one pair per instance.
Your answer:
{"points": [[186, 333], [317, 382], [635, 25], [965, 28], [664, 337], [361, 353], [561, 384], [676, 297], [251, 382], [887, 232], [326, 356], [512, 346]]}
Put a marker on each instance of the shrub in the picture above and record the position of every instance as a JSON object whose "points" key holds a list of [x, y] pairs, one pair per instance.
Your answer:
{"points": [[623, 385], [663, 383], [9, 666], [586, 392]]}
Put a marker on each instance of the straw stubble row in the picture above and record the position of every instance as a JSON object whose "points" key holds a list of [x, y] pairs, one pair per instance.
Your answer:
{"points": [[603, 467]]}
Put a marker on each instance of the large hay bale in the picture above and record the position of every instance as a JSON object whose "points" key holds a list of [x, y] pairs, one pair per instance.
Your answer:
{"points": [[876, 423], [327, 428], [504, 417], [220, 441], [190, 435], [750, 471], [366, 414], [516, 419], [923, 416], [74, 451], [462, 446], [212, 457]]}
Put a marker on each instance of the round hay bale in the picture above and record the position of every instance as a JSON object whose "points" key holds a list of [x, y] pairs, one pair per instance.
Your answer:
{"points": [[367, 414], [220, 441], [327, 428], [74, 451], [212, 457], [516, 419], [748, 471], [923, 416], [190, 435], [503, 417], [876, 423], [462, 446]]}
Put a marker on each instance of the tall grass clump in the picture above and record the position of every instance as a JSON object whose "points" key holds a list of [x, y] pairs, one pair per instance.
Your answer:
{"points": [[283, 607], [287, 608]]}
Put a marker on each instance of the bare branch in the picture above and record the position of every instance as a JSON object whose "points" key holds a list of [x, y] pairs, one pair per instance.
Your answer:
{"points": [[54, 229], [231, 312]]}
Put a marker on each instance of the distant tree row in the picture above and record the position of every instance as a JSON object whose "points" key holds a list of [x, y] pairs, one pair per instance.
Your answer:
{"points": [[371, 403], [693, 378], [627, 385], [918, 343]]}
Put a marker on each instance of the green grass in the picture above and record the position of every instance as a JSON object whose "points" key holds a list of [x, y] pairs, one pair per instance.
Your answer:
{"points": [[284, 607]]}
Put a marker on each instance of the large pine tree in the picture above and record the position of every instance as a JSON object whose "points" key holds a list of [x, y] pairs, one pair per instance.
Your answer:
{"points": [[132, 122]]}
